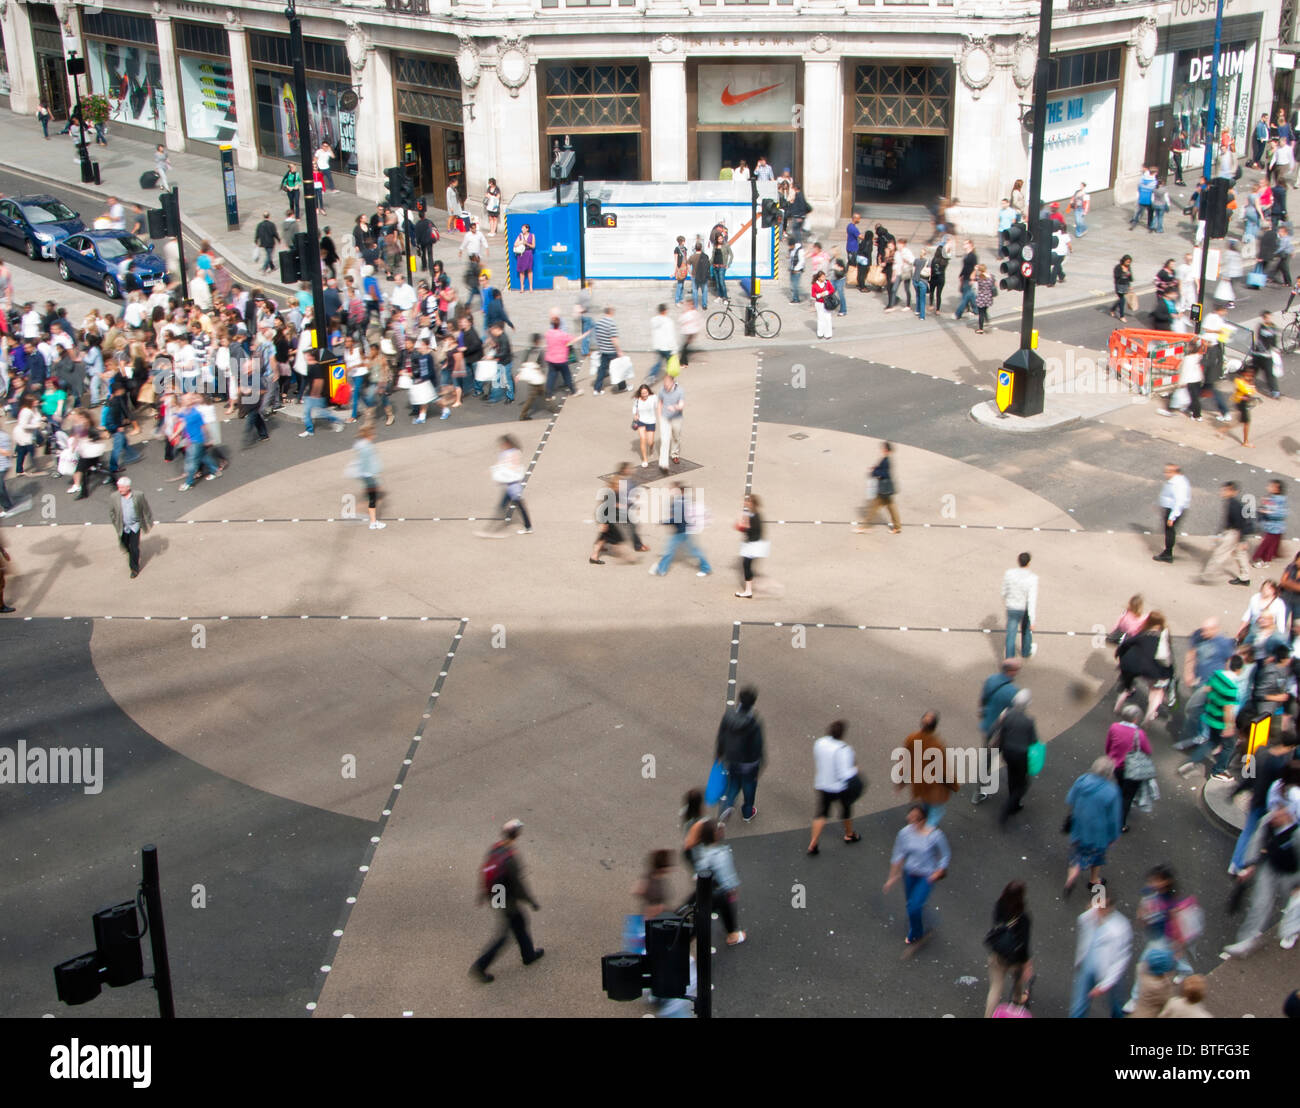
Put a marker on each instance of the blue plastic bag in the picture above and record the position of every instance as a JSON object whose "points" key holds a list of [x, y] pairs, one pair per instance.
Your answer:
{"points": [[717, 786]]}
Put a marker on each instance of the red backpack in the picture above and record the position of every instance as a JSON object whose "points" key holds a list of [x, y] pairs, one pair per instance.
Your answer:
{"points": [[492, 872]]}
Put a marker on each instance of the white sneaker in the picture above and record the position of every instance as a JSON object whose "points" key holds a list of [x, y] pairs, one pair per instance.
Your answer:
{"points": [[578, 392], [378, 526], [1288, 943], [1130, 1007], [524, 531], [1163, 412], [306, 434], [338, 426]]}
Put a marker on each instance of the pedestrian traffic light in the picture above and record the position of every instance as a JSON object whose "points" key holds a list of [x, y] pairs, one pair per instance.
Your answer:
{"points": [[289, 272], [295, 264], [412, 170], [593, 214], [771, 213], [1045, 242], [1014, 246], [157, 223]]}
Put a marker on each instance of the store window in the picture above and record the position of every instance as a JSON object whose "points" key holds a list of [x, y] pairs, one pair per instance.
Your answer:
{"points": [[1089, 67], [599, 109], [902, 125], [207, 84], [277, 112], [743, 112], [122, 63]]}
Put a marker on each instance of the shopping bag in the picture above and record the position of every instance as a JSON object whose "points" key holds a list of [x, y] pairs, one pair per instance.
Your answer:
{"points": [[1131, 301], [485, 370], [876, 277], [595, 365], [1037, 756], [1256, 280], [620, 370], [633, 934], [717, 784]]}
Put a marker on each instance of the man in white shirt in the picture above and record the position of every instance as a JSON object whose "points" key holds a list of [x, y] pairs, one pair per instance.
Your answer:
{"points": [[402, 296], [663, 339], [1020, 598], [474, 242], [116, 214], [323, 157], [31, 324], [835, 770], [1175, 498], [1186, 275]]}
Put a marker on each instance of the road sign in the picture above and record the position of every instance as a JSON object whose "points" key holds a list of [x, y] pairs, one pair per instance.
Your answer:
{"points": [[1027, 270], [1005, 378]]}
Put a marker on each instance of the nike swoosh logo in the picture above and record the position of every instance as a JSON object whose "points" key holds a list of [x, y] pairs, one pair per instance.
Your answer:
{"points": [[730, 98]]}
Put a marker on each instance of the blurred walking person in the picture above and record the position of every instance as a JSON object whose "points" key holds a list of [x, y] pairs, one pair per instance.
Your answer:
{"points": [[920, 857], [714, 855], [740, 750], [1020, 599], [1008, 946], [1094, 821], [882, 478], [366, 467], [836, 781], [754, 546], [1014, 735], [501, 878], [1101, 956]]}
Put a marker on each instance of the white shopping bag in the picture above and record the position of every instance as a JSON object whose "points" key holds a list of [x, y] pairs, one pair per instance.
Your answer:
{"points": [[620, 370]]}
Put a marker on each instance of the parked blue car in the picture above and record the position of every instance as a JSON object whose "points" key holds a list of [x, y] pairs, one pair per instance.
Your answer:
{"points": [[115, 262], [37, 224]]}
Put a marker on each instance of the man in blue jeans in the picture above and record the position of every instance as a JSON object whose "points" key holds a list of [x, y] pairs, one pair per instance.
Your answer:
{"points": [[920, 857], [196, 445], [968, 263], [740, 750], [117, 418], [1020, 598], [1101, 957], [315, 403], [684, 519]]}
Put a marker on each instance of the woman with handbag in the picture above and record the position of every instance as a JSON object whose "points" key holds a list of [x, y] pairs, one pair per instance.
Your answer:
{"points": [[822, 294], [1122, 276], [1148, 656], [509, 473], [680, 269], [1008, 946], [1127, 746], [524, 245], [755, 546], [492, 206], [836, 781]]}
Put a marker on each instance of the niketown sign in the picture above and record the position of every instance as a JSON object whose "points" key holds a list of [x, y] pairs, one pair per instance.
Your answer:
{"points": [[746, 95]]}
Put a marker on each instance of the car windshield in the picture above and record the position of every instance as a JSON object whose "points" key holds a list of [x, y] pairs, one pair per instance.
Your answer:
{"points": [[48, 211], [119, 246]]}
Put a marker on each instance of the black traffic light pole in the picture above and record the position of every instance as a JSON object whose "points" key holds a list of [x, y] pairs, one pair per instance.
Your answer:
{"points": [[582, 235], [76, 67], [162, 974], [1042, 77], [1210, 146], [172, 206], [320, 323]]}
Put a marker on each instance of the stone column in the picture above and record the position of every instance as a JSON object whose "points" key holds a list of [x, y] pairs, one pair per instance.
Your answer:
{"points": [[1131, 131], [377, 122], [173, 105], [24, 85], [668, 122], [241, 76], [823, 138], [501, 128]]}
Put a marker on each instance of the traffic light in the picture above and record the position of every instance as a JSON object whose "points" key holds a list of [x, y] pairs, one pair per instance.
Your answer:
{"points": [[396, 176], [1045, 242], [771, 213], [157, 223], [1214, 208], [295, 264], [1014, 246], [165, 222], [593, 214]]}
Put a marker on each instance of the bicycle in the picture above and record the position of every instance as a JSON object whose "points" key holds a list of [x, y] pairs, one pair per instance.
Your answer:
{"points": [[721, 324], [1290, 340]]}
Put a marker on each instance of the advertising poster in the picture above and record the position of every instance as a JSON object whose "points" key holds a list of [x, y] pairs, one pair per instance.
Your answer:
{"points": [[131, 78], [327, 123], [1078, 143], [209, 94], [641, 246], [747, 95]]}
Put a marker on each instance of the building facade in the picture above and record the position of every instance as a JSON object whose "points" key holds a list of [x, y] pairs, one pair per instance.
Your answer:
{"points": [[867, 102]]}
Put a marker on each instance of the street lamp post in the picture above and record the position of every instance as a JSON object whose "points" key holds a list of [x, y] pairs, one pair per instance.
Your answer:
{"points": [[76, 67]]}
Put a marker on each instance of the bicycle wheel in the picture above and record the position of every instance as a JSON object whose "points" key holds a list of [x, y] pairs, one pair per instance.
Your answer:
{"points": [[720, 325], [767, 324], [1291, 337]]}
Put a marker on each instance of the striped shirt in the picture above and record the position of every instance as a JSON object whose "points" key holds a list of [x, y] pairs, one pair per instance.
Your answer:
{"points": [[1223, 691], [606, 332]]}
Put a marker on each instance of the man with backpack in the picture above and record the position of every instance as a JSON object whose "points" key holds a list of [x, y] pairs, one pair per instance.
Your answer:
{"points": [[502, 885]]}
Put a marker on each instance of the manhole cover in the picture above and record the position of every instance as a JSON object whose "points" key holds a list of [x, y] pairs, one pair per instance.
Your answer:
{"points": [[798, 435]]}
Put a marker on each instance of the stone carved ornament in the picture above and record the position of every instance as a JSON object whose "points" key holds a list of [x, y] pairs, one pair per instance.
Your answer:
{"points": [[1024, 60], [1144, 42], [467, 63], [513, 64], [975, 64], [357, 46]]}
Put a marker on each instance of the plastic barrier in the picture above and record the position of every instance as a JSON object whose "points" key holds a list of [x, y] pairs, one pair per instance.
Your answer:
{"points": [[1149, 361]]}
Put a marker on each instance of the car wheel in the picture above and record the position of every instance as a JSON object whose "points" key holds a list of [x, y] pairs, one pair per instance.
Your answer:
{"points": [[32, 252], [110, 287], [64, 271]]}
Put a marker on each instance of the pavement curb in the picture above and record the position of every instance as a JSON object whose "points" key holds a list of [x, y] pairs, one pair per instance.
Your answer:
{"points": [[987, 414], [1216, 799]]}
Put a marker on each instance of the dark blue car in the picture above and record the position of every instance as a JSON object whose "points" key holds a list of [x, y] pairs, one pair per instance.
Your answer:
{"points": [[116, 262], [37, 224]]}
